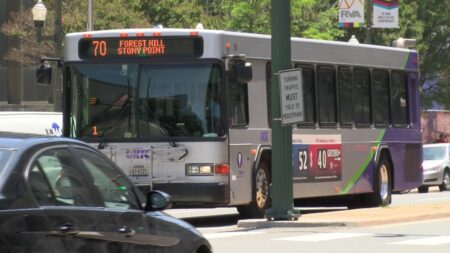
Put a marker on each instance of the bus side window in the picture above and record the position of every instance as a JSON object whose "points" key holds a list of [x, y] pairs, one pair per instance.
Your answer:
{"points": [[345, 97], [399, 99], [361, 98], [380, 96], [238, 103], [326, 88], [309, 95]]}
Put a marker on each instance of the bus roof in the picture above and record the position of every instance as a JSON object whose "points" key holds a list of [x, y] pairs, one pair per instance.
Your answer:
{"points": [[257, 46]]}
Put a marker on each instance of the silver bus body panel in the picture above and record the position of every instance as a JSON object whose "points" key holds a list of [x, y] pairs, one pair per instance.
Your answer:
{"points": [[355, 145], [166, 164]]}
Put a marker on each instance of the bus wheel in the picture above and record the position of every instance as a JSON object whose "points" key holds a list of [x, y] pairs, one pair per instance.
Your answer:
{"points": [[382, 190], [382, 183], [261, 195]]}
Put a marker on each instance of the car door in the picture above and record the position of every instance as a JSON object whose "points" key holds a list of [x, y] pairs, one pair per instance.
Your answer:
{"points": [[125, 206], [77, 221]]}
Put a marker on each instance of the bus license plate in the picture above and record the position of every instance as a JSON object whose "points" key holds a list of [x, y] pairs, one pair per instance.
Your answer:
{"points": [[140, 171]]}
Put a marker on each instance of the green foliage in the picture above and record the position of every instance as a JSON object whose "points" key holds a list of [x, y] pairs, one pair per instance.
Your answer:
{"points": [[108, 14], [426, 21]]}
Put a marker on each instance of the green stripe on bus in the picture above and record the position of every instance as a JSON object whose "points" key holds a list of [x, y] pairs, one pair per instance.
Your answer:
{"points": [[363, 166]]}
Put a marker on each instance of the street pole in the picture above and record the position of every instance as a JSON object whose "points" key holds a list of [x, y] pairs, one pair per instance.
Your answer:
{"points": [[89, 26], [369, 22], [57, 83], [282, 185]]}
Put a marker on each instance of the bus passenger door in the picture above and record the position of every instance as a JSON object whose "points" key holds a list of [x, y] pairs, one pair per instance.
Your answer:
{"points": [[240, 143], [240, 169]]}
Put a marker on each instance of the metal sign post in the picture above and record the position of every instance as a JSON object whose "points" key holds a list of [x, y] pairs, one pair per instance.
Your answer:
{"points": [[282, 182]]}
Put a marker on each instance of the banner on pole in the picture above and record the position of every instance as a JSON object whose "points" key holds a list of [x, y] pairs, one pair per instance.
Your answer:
{"points": [[385, 13], [351, 13]]}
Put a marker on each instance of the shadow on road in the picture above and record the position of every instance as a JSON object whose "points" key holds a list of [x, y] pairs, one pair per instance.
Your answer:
{"points": [[232, 219]]}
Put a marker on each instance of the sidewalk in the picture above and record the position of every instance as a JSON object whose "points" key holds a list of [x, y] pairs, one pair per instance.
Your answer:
{"points": [[360, 217]]}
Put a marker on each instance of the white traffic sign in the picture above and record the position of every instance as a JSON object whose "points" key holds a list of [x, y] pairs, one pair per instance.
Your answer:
{"points": [[291, 96]]}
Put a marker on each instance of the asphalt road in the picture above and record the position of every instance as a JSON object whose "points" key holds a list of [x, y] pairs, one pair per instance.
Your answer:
{"points": [[417, 237], [204, 217]]}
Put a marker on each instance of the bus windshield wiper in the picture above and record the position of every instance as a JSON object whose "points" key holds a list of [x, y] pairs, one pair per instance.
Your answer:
{"points": [[126, 107], [111, 131]]}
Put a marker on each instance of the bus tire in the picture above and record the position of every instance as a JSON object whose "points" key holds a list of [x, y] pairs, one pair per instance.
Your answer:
{"points": [[382, 188], [382, 182], [261, 195]]}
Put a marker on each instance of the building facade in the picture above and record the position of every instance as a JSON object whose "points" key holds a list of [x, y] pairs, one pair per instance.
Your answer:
{"points": [[434, 122], [18, 89]]}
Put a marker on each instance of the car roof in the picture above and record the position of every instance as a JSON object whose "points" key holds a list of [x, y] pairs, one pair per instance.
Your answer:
{"points": [[9, 140], [436, 145]]}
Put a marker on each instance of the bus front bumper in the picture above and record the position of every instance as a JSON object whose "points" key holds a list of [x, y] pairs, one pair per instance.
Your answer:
{"points": [[196, 195]]}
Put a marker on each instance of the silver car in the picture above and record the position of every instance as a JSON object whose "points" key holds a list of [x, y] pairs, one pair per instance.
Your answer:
{"points": [[436, 166]]}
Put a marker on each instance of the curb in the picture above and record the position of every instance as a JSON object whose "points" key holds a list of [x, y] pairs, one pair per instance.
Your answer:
{"points": [[358, 217]]}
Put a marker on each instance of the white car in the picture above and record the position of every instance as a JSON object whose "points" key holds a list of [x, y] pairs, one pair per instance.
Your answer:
{"points": [[43, 123], [436, 166]]}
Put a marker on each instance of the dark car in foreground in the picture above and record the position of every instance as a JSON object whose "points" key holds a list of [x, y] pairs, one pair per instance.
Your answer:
{"points": [[436, 166], [61, 195]]}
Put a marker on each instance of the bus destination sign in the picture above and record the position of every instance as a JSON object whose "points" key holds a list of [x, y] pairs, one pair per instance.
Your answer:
{"points": [[140, 47]]}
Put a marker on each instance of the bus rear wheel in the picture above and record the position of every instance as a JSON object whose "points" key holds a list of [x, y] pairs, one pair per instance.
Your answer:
{"points": [[382, 194], [261, 194], [382, 190]]}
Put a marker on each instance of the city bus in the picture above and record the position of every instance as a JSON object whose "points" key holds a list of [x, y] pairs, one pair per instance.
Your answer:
{"points": [[187, 111]]}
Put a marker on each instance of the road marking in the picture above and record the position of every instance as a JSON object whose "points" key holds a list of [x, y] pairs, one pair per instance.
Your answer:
{"points": [[322, 237], [230, 234], [435, 240]]}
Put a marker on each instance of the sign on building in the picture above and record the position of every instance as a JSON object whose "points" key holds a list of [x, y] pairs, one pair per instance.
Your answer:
{"points": [[291, 96], [385, 13], [351, 13]]}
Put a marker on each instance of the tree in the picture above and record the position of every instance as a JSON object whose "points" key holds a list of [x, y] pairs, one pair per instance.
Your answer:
{"points": [[21, 30], [28, 50]]}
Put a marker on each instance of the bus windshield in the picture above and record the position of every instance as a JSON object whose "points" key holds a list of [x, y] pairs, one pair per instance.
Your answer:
{"points": [[157, 100]]}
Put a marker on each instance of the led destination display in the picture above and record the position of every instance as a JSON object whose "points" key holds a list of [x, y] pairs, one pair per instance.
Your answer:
{"points": [[140, 47]]}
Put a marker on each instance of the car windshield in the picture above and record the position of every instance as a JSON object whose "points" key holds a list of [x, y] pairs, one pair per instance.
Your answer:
{"points": [[157, 100], [433, 153]]}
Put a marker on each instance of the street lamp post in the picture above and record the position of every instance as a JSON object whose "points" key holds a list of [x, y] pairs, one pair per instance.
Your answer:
{"points": [[39, 12]]}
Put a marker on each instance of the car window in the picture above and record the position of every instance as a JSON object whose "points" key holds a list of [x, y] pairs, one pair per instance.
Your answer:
{"points": [[55, 180], [434, 153], [4, 155], [115, 189]]}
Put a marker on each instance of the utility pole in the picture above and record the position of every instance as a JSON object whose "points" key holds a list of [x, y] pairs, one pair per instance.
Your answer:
{"points": [[369, 22], [89, 24], [57, 83], [282, 184]]}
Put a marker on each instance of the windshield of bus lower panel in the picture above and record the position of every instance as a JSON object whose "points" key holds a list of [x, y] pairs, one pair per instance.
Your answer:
{"points": [[147, 101]]}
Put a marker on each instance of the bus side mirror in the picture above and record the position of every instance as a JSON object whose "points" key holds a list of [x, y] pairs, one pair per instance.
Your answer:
{"points": [[44, 73], [245, 72]]}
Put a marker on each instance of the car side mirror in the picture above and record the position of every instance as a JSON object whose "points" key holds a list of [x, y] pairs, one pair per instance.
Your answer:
{"points": [[157, 201], [44, 74]]}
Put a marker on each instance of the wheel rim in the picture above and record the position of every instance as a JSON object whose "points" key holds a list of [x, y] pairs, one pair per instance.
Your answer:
{"points": [[262, 191], [384, 182], [446, 180]]}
